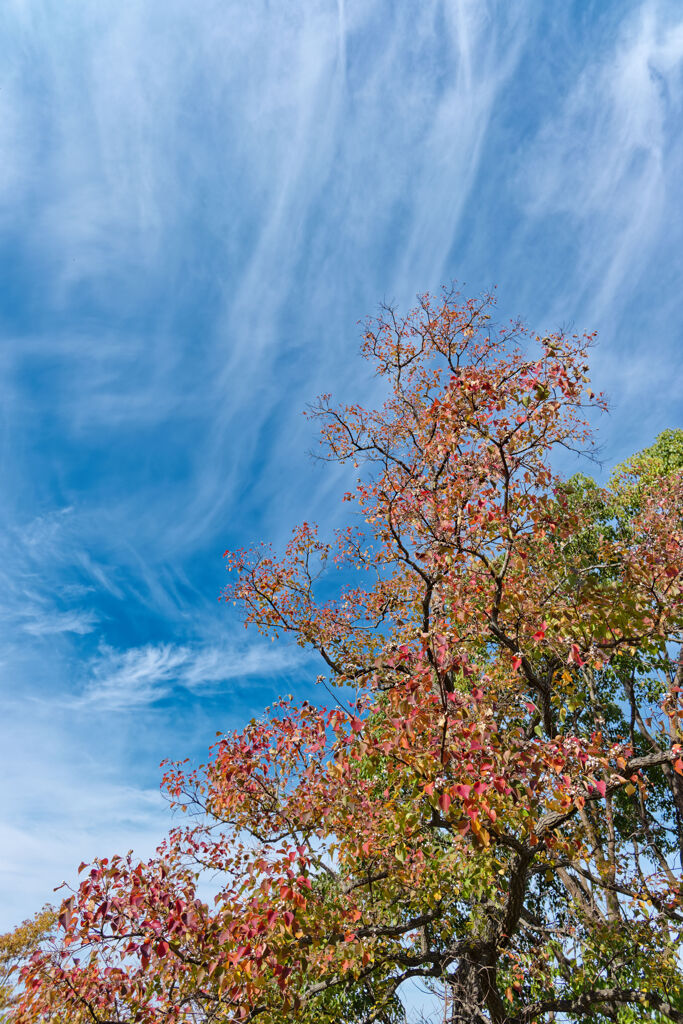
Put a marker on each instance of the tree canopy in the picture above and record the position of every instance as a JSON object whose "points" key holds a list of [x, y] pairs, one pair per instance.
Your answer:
{"points": [[493, 802], [16, 948]]}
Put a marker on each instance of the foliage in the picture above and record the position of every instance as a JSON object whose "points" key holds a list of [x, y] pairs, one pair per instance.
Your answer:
{"points": [[499, 811], [15, 949]]}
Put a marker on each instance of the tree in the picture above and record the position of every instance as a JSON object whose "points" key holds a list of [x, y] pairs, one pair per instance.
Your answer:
{"points": [[15, 949], [494, 801]]}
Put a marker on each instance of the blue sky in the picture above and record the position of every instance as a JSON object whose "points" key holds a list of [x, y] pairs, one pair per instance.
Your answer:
{"points": [[198, 202]]}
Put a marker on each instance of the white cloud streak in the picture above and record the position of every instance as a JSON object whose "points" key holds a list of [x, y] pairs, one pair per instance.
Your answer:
{"points": [[609, 160], [140, 676], [602, 176], [80, 622]]}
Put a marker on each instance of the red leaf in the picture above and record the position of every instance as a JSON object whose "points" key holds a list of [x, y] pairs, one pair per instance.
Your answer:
{"points": [[575, 656]]}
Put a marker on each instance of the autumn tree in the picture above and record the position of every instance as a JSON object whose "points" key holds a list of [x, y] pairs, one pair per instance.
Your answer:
{"points": [[493, 803], [16, 948]]}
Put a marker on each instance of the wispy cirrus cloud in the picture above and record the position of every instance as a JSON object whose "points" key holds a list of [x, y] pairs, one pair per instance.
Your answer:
{"points": [[122, 680], [165, 129], [601, 176], [45, 624], [609, 161]]}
